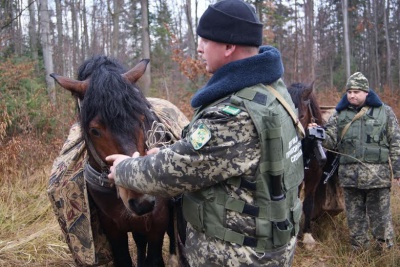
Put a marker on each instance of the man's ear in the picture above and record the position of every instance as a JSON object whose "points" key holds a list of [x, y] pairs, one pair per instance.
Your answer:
{"points": [[229, 49]]}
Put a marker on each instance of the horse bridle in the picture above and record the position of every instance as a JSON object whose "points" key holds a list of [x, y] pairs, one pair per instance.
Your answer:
{"points": [[308, 103], [100, 179], [92, 176]]}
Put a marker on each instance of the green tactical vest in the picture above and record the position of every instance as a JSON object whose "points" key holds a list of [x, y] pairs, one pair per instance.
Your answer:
{"points": [[281, 166], [365, 140]]}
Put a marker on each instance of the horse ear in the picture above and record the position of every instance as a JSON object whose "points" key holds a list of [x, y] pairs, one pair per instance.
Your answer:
{"points": [[308, 91], [312, 85], [136, 72], [76, 87]]}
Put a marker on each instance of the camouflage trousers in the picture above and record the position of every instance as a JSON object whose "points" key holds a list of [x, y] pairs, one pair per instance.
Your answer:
{"points": [[202, 250], [369, 208]]}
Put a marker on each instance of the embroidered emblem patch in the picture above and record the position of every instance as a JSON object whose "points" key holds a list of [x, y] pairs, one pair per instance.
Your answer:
{"points": [[231, 110], [200, 137]]}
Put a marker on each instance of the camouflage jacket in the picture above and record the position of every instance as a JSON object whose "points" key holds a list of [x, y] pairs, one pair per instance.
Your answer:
{"points": [[233, 150], [367, 175]]}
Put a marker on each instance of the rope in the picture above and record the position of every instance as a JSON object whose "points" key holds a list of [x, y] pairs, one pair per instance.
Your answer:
{"points": [[157, 136]]}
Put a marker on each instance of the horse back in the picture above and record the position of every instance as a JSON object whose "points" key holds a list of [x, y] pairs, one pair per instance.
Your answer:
{"points": [[169, 115]]}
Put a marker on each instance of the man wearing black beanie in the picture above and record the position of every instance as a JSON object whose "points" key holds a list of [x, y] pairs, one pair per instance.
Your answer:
{"points": [[239, 162]]}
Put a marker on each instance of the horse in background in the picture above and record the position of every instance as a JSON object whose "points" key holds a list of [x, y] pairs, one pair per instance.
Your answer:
{"points": [[309, 111], [114, 119]]}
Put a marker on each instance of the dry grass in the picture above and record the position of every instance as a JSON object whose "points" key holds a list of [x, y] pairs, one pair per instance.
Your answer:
{"points": [[30, 235], [333, 248], [29, 232]]}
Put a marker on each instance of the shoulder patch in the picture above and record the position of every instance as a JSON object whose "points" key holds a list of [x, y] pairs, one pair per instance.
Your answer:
{"points": [[231, 110], [200, 136]]}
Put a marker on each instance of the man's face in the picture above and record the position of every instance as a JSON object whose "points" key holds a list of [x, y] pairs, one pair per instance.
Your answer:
{"points": [[356, 97], [212, 53]]}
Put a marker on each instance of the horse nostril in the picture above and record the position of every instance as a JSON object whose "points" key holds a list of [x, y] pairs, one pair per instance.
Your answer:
{"points": [[141, 208]]}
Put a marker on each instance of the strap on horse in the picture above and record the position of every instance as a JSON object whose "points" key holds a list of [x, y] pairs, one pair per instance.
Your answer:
{"points": [[285, 104]]}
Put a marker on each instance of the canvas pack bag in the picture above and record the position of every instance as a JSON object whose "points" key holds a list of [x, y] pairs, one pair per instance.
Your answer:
{"points": [[74, 211]]}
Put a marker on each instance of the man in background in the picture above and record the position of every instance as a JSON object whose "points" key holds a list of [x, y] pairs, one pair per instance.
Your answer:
{"points": [[366, 134]]}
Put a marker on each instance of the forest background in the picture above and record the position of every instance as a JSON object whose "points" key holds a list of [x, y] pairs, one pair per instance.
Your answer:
{"points": [[320, 41]]}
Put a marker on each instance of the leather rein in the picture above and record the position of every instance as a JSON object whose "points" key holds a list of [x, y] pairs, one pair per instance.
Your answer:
{"points": [[97, 179], [308, 103]]}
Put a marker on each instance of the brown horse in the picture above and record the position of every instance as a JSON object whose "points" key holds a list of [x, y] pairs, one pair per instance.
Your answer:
{"points": [[309, 111], [114, 118]]}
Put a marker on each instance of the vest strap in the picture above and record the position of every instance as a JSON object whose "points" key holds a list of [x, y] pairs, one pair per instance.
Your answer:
{"points": [[289, 110], [275, 210], [242, 183], [260, 244], [356, 117]]}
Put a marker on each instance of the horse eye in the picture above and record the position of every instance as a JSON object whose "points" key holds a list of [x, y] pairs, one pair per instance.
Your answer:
{"points": [[95, 132]]}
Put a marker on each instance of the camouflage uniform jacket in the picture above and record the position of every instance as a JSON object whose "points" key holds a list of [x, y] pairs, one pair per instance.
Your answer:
{"points": [[365, 175], [233, 150]]}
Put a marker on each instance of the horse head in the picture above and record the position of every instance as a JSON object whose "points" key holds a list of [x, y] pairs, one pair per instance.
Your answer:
{"points": [[306, 103], [114, 116]]}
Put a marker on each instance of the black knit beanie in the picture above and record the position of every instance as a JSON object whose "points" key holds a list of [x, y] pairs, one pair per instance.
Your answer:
{"points": [[231, 22]]}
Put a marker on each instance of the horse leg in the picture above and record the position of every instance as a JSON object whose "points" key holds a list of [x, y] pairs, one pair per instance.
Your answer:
{"points": [[119, 244], [308, 206], [311, 181], [120, 249], [173, 260], [118, 239], [155, 237], [141, 245], [180, 231], [154, 256]]}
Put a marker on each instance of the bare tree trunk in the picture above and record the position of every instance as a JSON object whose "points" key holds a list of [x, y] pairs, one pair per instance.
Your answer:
{"points": [[115, 14], [309, 37], [47, 48], [33, 33], [296, 46], [386, 12], [346, 37], [75, 33], [190, 34], [375, 44], [134, 31], [146, 78], [258, 5], [18, 33], [196, 22], [85, 39], [60, 39], [95, 36], [398, 41]]}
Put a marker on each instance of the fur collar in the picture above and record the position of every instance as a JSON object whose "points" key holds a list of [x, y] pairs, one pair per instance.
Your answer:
{"points": [[372, 100], [266, 68]]}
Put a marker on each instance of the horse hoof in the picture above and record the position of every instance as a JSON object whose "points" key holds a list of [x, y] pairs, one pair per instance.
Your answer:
{"points": [[173, 261], [308, 241]]}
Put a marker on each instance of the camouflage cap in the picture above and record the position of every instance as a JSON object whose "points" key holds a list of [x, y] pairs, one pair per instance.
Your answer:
{"points": [[357, 81]]}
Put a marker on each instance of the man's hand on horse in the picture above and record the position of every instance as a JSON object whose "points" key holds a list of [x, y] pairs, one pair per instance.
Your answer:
{"points": [[115, 159], [152, 151]]}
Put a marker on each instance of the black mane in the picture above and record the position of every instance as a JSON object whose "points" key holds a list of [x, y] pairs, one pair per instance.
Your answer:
{"points": [[120, 104]]}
